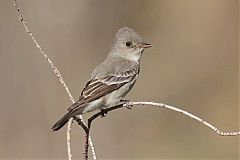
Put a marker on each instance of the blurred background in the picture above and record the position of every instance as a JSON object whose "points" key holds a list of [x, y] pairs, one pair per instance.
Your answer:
{"points": [[193, 66]]}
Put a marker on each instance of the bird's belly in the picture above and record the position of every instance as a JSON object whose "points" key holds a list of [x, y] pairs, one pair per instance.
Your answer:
{"points": [[113, 98], [107, 101], [110, 99], [94, 105]]}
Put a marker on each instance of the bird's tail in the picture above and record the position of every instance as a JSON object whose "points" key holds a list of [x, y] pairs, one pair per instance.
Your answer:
{"points": [[66, 117], [61, 122]]}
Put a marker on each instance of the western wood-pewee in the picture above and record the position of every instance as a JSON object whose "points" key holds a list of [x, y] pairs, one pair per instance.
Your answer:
{"points": [[112, 79]]}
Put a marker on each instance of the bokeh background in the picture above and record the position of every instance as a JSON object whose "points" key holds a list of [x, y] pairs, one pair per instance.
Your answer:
{"points": [[193, 65]]}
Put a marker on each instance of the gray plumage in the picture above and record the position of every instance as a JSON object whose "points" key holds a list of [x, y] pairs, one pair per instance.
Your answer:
{"points": [[112, 79]]}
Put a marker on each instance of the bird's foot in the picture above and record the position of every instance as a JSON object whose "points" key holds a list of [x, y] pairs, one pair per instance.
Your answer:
{"points": [[103, 113], [127, 104]]}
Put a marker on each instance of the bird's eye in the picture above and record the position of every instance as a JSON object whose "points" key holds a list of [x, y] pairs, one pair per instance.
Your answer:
{"points": [[128, 44]]}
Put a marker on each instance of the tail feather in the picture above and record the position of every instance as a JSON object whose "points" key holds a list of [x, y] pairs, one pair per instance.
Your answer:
{"points": [[66, 117], [62, 121]]}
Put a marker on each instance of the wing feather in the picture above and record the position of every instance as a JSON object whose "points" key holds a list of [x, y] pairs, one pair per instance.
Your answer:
{"points": [[97, 88]]}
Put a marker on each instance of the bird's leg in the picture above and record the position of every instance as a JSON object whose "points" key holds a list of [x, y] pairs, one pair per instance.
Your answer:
{"points": [[127, 104], [103, 112]]}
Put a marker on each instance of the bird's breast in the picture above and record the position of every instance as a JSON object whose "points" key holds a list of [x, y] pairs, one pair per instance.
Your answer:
{"points": [[113, 98]]}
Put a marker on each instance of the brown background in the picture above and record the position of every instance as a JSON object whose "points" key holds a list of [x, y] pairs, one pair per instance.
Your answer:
{"points": [[193, 65]]}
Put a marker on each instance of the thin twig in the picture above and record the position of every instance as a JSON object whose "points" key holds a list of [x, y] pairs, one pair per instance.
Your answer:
{"points": [[88, 127], [130, 104], [86, 142], [60, 78], [209, 125], [86, 145], [69, 138]]}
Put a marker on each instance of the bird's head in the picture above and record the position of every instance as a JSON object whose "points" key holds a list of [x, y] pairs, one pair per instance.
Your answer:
{"points": [[128, 44]]}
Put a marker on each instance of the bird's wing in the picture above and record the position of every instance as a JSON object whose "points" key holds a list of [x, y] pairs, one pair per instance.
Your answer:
{"points": [[100, 87]]}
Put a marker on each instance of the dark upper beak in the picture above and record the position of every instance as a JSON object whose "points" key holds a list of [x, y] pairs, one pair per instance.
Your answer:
{"points": [[145, 45]]}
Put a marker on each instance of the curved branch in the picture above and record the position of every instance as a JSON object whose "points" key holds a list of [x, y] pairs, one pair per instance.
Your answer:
{"points": [[60, 78], [162, 105], [130, 104]]}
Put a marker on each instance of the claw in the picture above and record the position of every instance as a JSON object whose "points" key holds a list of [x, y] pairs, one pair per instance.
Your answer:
{"points": [[128, 105], [103, 113]]}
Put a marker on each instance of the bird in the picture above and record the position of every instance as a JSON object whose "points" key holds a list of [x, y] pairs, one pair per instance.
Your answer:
{"points": [[112, 79]]}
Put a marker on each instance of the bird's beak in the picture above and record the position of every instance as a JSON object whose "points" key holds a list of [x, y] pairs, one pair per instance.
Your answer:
{"points": [[145, 45]]}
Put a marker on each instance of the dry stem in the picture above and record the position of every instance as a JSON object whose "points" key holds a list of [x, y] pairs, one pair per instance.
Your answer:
{"points": [[60, 78], [130, 104]]}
